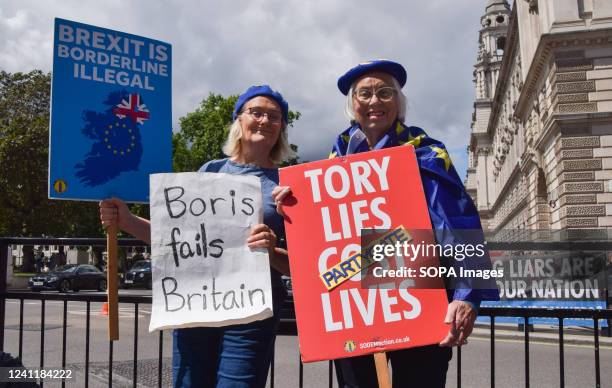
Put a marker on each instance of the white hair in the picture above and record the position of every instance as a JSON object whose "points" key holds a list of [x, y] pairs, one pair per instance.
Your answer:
{"points": [[280, 152], [402, 102]]}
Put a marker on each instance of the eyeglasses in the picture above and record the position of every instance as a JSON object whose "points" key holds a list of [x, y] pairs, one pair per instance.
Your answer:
{"points": [[258, 115], [384, 94]]}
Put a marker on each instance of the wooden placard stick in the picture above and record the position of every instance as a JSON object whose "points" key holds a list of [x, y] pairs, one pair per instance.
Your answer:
{"points": [[111, 283], [382, 370]]}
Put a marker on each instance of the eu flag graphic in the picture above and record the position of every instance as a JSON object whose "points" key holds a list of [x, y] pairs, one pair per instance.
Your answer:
{"points": [[117, 144]]}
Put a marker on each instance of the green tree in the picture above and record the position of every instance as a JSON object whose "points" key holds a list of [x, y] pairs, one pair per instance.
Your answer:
{"points": [[25, 209], [204, 131]]}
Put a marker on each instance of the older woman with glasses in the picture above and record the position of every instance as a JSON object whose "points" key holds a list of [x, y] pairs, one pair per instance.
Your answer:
{"points": [[376, 108], [235, 356]]}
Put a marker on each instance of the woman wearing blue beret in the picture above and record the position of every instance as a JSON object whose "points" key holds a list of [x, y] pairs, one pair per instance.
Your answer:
{"points": [[376, 108], [235, 356]]}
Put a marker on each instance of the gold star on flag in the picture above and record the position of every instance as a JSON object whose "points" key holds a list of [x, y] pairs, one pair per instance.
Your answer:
{"points": [[442, 154], [399, 128], [415, 141]]}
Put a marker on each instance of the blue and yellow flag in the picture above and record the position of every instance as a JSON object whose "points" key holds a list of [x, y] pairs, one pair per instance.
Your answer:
{"points": [[451, 209]]}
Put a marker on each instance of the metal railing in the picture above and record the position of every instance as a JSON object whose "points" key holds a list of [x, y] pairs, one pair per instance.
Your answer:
{"points": [[526, 313], [87, 299], [65, 298]]}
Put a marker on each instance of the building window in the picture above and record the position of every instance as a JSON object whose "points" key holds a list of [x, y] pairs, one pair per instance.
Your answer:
{"points": [[533, 6], [500, 44]]}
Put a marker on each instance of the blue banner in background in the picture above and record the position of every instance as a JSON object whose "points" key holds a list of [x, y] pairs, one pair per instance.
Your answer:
{"points": [[111, 113], [561, 304]]}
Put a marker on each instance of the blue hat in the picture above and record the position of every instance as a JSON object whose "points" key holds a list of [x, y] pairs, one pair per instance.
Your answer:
{"points": [[261, 90], [393, 68]]}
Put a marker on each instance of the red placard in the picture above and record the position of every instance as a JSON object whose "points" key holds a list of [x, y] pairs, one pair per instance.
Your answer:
{"points": [[332, 201]]}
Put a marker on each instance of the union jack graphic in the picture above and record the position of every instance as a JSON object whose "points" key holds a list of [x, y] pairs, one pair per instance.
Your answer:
{"points": [[133, 109]]}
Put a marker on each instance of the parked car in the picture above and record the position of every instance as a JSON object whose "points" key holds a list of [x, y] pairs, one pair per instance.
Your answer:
{"points": [[139, 275], [287, 311], [68, 277], [288, 285]]}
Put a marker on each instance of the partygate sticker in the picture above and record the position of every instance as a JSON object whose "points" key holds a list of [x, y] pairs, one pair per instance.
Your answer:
{"points": [[111, 113], [204, 274], [339, 314]]}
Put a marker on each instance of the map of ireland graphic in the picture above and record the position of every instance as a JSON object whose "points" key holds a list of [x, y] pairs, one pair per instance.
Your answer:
{"points": [[116, 133]]}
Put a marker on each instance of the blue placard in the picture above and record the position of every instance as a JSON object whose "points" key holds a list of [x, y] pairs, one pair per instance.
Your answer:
{"points": [[111, 113]]}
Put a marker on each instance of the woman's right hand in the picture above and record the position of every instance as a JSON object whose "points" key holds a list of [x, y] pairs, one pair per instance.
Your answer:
{"points": [[114, 212], [279, 193]]}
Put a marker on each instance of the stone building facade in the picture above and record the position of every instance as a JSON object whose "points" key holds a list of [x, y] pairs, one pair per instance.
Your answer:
{"points": [[540, 150]]}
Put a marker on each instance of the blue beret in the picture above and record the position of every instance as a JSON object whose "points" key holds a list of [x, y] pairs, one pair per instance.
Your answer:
{"points": [[393, 68], [261, 90]]}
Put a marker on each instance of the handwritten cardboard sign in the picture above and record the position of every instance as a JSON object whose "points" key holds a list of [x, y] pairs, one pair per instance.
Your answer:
{"points": [[337, 314], [203, 272]]}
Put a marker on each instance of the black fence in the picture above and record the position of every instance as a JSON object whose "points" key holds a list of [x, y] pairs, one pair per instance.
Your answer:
{"points": [[137, 301]]}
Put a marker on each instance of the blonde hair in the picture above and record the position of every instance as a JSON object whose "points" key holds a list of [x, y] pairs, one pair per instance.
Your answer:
{"points": [[280, 152]]}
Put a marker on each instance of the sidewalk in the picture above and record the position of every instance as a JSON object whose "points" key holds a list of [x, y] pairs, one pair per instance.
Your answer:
{"points": [[542, 333]]}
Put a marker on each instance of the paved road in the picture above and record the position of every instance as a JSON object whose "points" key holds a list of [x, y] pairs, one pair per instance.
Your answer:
{"points": [[544, 364]]}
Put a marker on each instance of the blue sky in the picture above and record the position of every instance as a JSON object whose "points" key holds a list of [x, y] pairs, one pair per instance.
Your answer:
{"points": [[298, 47]]}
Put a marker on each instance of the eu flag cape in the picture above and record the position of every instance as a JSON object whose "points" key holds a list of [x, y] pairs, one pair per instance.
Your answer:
{"points": [[453, 214]]}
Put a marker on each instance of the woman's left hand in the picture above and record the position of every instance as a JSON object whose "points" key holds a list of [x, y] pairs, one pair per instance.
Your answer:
{"points": [[461, 315], [279, 193], [262, 237]]}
